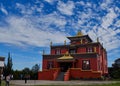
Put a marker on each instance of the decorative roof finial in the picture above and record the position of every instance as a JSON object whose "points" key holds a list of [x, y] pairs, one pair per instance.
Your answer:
{"points": [[67, 52], [65, 42], [97, 39], [79, 33], [51, 43]]}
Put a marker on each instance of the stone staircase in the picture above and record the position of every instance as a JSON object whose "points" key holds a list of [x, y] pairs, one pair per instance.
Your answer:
{"points": [[60, 76]]}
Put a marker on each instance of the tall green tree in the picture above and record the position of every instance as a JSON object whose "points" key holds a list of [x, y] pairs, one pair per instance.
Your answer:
{"points": [[35, 70], [8, 67], [9, 64]]}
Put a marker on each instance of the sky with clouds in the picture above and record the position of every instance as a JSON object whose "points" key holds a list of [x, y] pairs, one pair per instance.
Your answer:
{"points": [[28, 26]]}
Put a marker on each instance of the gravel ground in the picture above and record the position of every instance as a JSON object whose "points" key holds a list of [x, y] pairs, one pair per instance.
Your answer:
{"points": [[44, 82]]}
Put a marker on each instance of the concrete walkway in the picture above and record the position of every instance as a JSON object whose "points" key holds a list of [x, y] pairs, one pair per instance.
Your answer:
{"points": [[44, 82]]}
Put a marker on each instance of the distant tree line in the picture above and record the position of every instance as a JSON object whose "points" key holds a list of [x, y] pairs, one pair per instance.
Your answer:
{"points": [[27, 72], [20, 74], [114, 71]]}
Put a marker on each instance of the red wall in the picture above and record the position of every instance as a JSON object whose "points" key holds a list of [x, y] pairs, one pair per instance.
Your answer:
{"points": [[45, 75], [52, 51], [48, 74], [78, 73], [81, 50], [63, 51], [44, 64]]}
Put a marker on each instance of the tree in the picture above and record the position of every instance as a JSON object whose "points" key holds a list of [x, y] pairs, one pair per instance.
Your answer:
{"points": [[114, 71], [8, 68], [9, 64], [26, 70], [116, 63], [35, 68]]}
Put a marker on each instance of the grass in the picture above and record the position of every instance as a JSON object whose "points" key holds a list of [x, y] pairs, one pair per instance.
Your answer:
{"points": [[112, 84], [3, 83]]}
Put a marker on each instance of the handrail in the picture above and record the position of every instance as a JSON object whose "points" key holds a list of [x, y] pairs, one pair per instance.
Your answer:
{"points": [[67, 75]]}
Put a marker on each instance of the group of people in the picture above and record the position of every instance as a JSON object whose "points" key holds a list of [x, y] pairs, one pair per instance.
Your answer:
{"points": [[7, 79]]}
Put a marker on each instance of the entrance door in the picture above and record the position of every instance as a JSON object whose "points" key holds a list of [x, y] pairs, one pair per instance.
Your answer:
{"points": [[65, 66]]}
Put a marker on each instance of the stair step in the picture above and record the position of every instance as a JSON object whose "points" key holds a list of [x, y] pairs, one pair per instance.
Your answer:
{"points": [[60, 76]]}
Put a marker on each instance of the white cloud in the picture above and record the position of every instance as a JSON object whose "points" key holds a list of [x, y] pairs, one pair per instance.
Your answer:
{"points": [[23, 9], [105, 4], [80, 3], [108, 19], [21, 31], [117, 24], [29, 9], [66, 8], [3, 10], [53, 19], [50, 1]]}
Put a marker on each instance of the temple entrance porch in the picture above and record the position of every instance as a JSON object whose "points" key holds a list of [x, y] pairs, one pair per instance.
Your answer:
{"points": [[64, 66]]}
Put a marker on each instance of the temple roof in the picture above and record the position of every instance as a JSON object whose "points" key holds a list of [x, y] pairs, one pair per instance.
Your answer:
{"points": [[80, 35], [66, 56]]}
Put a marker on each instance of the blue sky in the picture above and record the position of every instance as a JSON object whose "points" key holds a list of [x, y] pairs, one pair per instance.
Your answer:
{"points": [[28, 26]]}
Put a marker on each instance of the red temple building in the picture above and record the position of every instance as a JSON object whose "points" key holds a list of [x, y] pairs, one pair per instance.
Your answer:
{"points": [[81, 59]]}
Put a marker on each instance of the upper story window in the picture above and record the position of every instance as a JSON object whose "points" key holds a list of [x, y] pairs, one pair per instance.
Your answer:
{"points": [[73, 42], [72, 51], [57, 51], [86, 65], [89, 49]]}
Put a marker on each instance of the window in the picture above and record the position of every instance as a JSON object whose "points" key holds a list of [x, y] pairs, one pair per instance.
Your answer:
{"points": [[86, 65], [72, 51], [99, 68], [73, 42], [50, 65], [89, 49], [58, 51]]}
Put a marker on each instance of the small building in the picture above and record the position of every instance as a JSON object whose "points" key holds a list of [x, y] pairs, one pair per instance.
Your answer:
{"points": [[2, 59], [81, 59]]}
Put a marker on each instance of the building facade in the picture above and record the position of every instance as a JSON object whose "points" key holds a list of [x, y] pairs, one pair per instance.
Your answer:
{"points": [[81, 59]]}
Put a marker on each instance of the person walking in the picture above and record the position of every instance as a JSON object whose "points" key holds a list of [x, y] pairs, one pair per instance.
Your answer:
{"points": [[7, 80], [25, 79]]}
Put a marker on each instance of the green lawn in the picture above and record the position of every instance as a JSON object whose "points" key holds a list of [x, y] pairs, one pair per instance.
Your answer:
{"points": [[3, 83], [113, 84]]}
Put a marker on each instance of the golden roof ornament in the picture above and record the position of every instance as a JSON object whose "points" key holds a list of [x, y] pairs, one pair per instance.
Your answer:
{"points": [[67, 53], [66, 56], [65, 42], [79, 33], [51, 43]]}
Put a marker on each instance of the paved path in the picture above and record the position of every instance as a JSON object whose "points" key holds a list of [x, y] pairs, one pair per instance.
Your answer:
{"points": [[43, 82]]}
